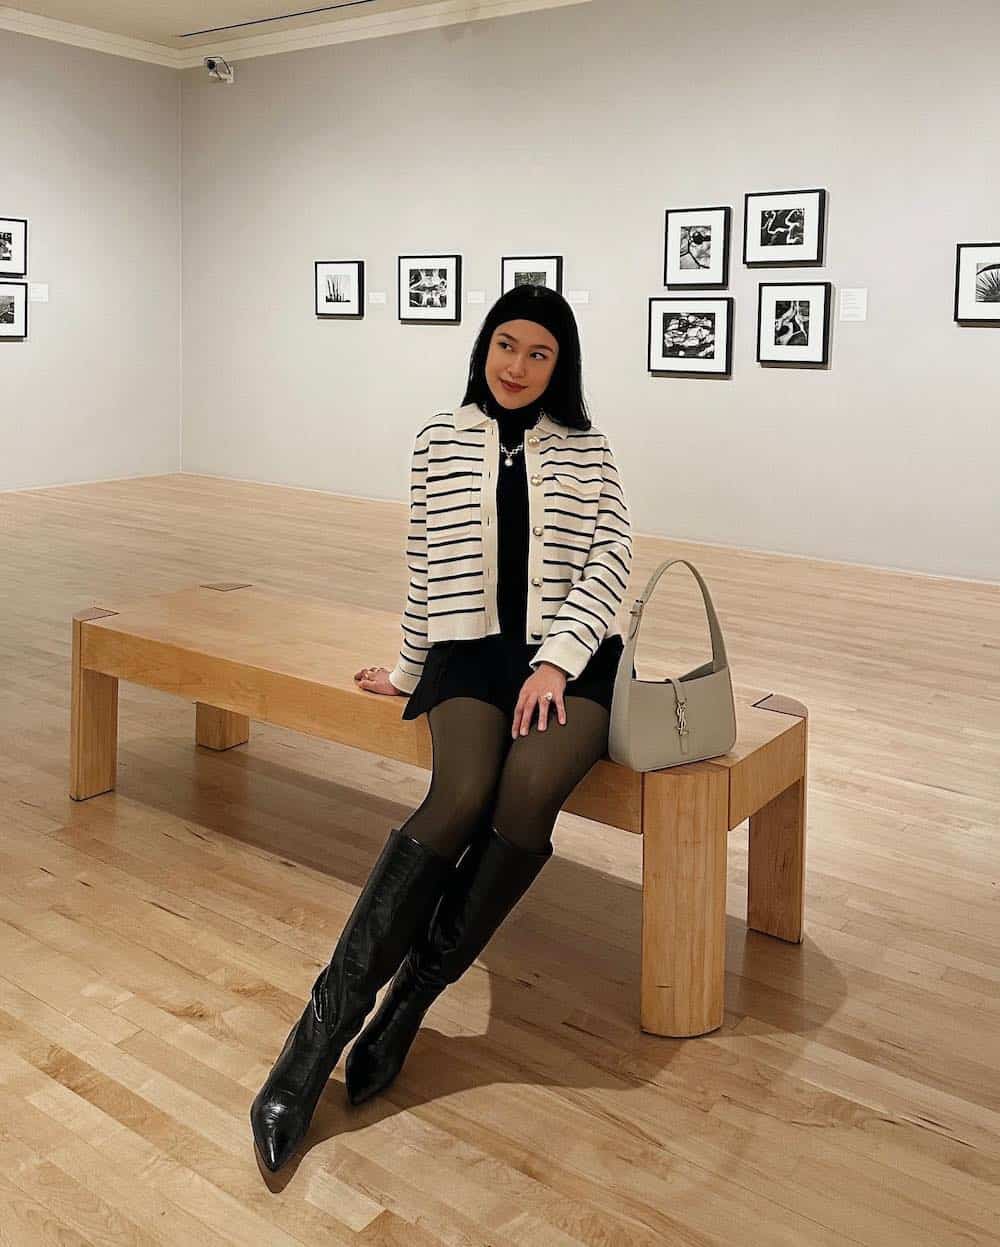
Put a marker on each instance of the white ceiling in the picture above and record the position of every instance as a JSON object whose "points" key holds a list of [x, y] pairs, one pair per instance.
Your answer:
{"points": [[184, 29], [170, 22]]}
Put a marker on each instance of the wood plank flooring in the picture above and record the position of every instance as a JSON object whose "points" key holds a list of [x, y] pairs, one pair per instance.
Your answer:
{"points": [[157, 943]]}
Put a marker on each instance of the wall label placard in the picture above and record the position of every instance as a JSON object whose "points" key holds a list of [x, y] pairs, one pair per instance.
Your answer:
{"points": [[854, 304]]}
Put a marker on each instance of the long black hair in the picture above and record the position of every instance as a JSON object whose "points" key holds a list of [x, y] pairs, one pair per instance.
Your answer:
{"points": [[563, 397]]}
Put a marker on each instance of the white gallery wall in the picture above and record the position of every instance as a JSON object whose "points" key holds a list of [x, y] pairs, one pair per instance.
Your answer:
{"points": [[570, 132], [566, 131], [90, 157]]}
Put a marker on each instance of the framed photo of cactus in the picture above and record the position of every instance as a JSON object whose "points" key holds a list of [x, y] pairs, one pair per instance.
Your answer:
{"points": [[977, 283]]}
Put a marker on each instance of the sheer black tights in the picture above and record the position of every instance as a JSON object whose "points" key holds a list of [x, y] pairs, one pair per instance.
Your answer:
{"points": [[480, 772]]}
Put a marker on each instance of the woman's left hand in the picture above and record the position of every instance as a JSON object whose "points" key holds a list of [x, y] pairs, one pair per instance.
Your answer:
{"points": [[547, 679]]}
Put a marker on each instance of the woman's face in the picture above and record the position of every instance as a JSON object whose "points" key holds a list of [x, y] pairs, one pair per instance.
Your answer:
{"points": [[524, 353]]}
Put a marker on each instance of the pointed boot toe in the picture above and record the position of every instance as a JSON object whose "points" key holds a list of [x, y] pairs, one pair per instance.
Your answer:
{"points": [[283, 1107], [276, 1131], [405, 883]]}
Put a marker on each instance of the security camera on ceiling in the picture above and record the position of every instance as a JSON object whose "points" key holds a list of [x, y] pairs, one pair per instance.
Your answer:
{"points": [[219, 69]]}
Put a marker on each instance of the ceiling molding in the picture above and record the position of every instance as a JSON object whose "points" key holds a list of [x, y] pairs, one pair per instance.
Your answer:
{"points": [[296, 39], [87, 37]]}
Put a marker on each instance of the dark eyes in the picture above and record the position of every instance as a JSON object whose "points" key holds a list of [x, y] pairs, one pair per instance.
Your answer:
{"points": [[540, 354]]}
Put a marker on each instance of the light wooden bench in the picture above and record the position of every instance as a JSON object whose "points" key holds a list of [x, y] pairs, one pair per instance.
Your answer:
{"points": [[240, 652]]}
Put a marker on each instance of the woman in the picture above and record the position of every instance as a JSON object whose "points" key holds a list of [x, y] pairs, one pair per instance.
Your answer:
{"points": [[519, 550]]}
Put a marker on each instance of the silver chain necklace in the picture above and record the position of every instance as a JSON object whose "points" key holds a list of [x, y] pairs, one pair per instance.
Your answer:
{"points": [[509, 459]]}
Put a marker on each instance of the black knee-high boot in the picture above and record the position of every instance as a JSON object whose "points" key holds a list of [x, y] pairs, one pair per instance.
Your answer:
{"points": [[486, 885], [394, 905]]}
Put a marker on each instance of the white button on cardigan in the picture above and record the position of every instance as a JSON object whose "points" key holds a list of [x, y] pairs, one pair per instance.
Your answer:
{"points": [[578, 571]]}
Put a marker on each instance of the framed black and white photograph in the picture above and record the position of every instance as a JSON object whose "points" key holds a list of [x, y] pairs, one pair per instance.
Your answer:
{"points": [[696, 248], [784, 227], [793, 322], [688, 335], [340, 288], [13, 246], [977, 283], [430, 288], [534, 270], [13, 309]]}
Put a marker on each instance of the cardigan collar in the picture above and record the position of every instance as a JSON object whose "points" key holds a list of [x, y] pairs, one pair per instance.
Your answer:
{"points": [[471, 416]]}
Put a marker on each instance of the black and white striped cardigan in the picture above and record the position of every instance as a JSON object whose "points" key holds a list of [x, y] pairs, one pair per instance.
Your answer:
{"points": [[579, 547]]}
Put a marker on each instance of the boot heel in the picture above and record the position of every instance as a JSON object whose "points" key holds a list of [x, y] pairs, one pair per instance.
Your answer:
{"points": [[395, 903], [486, 884]]}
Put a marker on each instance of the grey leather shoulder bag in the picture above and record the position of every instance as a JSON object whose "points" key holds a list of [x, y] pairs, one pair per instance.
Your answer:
{"points": [[661, 723]]}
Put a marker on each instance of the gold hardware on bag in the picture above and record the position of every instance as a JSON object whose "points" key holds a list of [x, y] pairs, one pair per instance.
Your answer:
{"points": [[642, 734]]}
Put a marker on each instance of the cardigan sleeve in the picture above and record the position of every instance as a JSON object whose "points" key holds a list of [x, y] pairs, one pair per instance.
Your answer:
{"points": [[589, 608], [406, 673]]}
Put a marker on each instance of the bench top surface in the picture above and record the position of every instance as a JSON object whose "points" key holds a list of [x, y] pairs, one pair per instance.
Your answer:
{"points": [[295, 634], [318, 640]]}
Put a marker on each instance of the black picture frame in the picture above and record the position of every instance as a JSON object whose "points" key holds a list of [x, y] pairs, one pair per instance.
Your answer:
{"points": [[355, 306], [799, 361], [437, 260], [994, 271], [13, 270], [718, 305], [680, 283], [15, 336], [554, 261], [810, 258]]}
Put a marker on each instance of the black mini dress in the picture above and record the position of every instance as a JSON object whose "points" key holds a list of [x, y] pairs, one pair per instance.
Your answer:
{"points": [[493, 668]]}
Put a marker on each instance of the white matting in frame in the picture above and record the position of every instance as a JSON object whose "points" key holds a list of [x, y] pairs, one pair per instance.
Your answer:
{"points": [[784, 227], [696, 248], [977, 283], [793, 322], [536, 270], [430, 288], [13, 309], [13, 246], [340, 287], [690, 335]]}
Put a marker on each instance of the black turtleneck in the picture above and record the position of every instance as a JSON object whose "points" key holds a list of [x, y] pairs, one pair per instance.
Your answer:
{"points": [[512, 518]]}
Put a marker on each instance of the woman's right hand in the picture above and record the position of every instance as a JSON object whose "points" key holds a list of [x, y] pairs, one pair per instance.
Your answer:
{"points": [[376, 680]]}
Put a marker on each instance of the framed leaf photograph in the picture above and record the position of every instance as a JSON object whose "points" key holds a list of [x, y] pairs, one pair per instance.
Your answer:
{"points": [[691, 335], [696, 248], [793, 322], [784, 227], [977, 283], [340, 288], [430, 288]]}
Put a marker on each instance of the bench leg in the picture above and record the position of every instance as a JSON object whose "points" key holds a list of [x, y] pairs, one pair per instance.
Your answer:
{"points": [[776, 867], [220, 729], [93, 723], [684, 856]]}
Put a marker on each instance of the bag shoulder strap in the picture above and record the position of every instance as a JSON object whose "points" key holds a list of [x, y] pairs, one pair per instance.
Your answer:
{"points": [[719, 660]]}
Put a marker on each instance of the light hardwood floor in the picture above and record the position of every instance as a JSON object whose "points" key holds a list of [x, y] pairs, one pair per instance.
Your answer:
{"points": [[156, 943]]}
